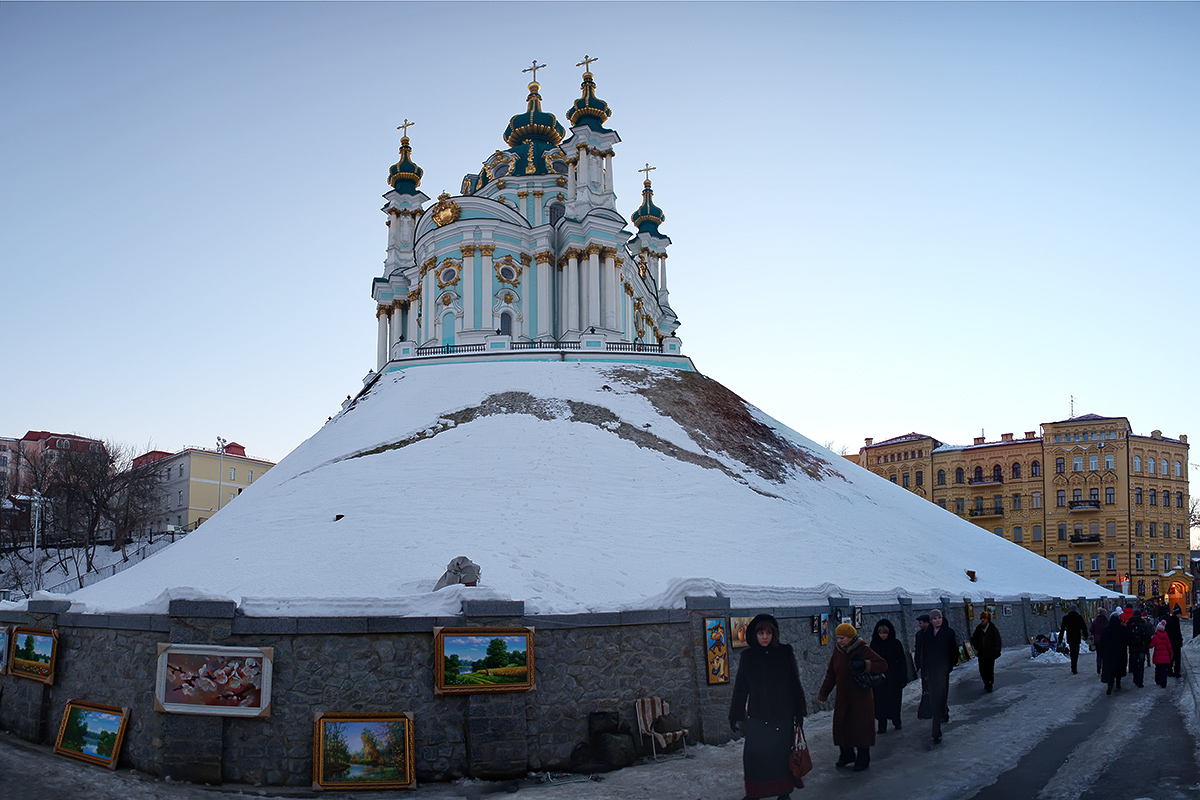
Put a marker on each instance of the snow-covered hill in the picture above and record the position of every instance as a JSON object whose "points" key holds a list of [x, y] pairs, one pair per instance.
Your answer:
{"points": [[575, 487]]}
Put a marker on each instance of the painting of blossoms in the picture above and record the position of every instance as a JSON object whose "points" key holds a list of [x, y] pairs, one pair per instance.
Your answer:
{"points": [[222, 681]]}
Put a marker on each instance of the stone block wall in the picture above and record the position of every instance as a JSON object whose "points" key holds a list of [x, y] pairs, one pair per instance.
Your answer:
{"points": [[583, 663]]}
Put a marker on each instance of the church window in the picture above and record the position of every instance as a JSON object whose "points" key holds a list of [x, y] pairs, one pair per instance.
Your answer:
{"points": [[556, 212], [507, 273], [506, 324], [449, 275]]}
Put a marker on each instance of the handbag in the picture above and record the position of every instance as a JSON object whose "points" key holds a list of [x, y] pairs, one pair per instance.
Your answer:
{"points": [[800, 760], [874, 680]]}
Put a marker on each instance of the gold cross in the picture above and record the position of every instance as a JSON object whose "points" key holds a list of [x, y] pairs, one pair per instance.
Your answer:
{"points": [[405, 127], [647, 169], [587, 62], [536, 66]]}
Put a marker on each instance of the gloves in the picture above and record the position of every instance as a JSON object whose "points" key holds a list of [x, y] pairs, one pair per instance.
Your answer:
{"points": [[734, 725]]}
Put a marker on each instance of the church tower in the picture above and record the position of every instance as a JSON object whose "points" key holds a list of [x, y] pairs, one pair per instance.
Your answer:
{"points": [[531, 255]]}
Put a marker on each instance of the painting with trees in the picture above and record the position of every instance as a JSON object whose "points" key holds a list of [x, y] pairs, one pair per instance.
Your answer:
{"points": [[208, 679], [34, 653], [483, 660], [91, 732], [363, 751]]}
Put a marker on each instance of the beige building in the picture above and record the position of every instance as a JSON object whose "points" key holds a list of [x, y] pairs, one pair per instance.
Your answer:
{"points": [[1087, 492], [197, 483]]}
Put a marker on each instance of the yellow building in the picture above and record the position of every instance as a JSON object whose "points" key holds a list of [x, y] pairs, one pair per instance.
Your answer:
{"points": [[1088, 493], [196, 483]]}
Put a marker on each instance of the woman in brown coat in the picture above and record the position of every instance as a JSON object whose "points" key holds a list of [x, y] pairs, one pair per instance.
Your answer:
{"points": [[854, 707]]}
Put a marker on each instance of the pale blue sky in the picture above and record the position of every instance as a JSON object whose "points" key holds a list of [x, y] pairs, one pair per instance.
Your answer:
{"points": [[881, 214]]}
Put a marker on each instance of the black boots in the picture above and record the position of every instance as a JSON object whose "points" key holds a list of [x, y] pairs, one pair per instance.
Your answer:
{"points": [[845, 757], [863, 761], [883, 726]]}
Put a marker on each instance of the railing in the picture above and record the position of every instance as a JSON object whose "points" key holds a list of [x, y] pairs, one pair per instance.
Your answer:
{"points": [[985, 479], [633, 347], [541, 344], [88, 578], [986, 512], [1084, 505], [450, 349], [1077, 538]]}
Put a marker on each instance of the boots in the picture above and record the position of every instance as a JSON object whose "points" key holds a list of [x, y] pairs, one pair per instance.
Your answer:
{"points": [[845, 757], [883, 726], [863, 761]]}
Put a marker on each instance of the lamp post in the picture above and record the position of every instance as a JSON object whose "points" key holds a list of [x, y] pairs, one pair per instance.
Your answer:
{"points": [[220, 469], [37, 527]]}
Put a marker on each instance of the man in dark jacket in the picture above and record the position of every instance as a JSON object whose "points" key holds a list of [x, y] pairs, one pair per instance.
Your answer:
{"points": [[1175, 634], [937, 653], [1075, 630], [1137, 639]]}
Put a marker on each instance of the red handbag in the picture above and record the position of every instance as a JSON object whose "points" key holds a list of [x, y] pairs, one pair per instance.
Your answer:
{"points": [[800, 761]]}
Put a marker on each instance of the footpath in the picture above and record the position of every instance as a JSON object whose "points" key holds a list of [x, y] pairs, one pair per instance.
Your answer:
{"points": [[1043, 734]]}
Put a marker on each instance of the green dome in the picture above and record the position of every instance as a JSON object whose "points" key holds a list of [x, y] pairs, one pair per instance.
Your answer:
{"points": [[588, 109], [648, 216], [405, 176], [534, 124]]}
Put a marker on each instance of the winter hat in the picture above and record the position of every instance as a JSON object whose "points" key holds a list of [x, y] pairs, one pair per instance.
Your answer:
{"points": [[847, 630], [1162, 626], [1118, 610]]}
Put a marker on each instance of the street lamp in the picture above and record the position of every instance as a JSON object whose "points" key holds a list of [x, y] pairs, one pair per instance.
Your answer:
{"points": [[37, 527], [220, 468]]}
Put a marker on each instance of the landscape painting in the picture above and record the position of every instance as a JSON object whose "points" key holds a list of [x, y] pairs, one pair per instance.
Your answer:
{"points": [[716, 653], [472, 660], [33, 654], [363, 751], [212, 680], [92, 733]]}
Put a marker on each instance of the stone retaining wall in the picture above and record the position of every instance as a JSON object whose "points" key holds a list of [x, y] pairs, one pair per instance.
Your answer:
{"points": [[584, 663]]}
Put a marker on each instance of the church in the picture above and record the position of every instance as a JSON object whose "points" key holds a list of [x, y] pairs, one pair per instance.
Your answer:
{"points": [[532, 254]]}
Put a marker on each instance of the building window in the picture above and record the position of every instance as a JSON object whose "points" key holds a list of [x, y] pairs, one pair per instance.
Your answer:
{"points": [[1110, 528], [892, 477], [1178, 469], [906, 480], [1037, 499], [1035, 469], [1016, 504], [180, 500], [1137, 529], [1078, 531], [233, 473], [1077, 464], [1112, 586], [1018, 534], [1094, 494], [1037, 533], [1178, 531], [1179, 561], [1153, 530], [1016, 471], [181, 470], [1179, 499], [1095, 562], [979, 504], [979, 474], [1137, 463], [959, 505], [1108, 460], [1153, 497], [942, 503], [1093, 463], [941, 477], [1137, 497], [958, 475], [1060, 465], [1057, 438], [1111, 560], [1076, 495], [1154, 562], [999, 532], [1137, 561], [1094, 530], [249, 476], [1062, 531], [1150, 465], [998, 503], [1062, 561], [1061, 498], [997, 473], [1110, 495], [1079, 562], [920, 477]]}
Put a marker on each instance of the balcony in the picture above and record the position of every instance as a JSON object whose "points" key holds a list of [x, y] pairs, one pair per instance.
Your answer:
{"points": [[1085, 538], [1084, 505], [986, 512], [986, 480]]}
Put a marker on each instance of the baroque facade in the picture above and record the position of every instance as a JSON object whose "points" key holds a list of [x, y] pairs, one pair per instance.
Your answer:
{"points": [[531, 254], [1086, 493]]}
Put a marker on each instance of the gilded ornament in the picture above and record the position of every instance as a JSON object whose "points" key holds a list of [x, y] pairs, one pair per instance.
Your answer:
{"points": [[445, 211], [593, 249], [508, 297], [537, 193], [608, 252], [525, 259], [522, 195], [545, 257], [414, 295], [574, 253], [487, 250], [381, 311], [501, 184], [561, 181], [467, 250], [447, 299]]}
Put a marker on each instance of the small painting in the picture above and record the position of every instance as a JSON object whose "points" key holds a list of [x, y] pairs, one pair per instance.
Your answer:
{"points": [[739, 626], [33, 654], [3, 649], [991, 609], [858, 616], [716, 650], [816, 625], [91, 732], [473, 660], [1007, 610], [970, 609], [824, 628], [214, 680], [363, 751]]}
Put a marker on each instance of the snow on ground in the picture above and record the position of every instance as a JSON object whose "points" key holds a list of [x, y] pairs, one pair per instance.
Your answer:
{"points": [[575, 487]]}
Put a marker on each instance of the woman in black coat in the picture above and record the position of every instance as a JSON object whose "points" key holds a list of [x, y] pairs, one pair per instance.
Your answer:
{"points": [[887, 698], [1115, 652], [768, 702]]}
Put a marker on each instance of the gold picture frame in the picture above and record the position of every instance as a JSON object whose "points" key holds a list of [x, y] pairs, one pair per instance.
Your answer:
{"points": [[33, 654], [384, 758], [92, 732], [480, 660]]}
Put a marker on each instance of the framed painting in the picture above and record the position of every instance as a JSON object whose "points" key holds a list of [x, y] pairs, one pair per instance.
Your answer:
{"points": [[473, 660], [991, 609], [91, 732], [1007, 610], [970, 609], [3, 649], [824, 628], [816, 625], [33, 654], [213, 680], [363, 751], [738, 627], [716, 650], [858, 616]]}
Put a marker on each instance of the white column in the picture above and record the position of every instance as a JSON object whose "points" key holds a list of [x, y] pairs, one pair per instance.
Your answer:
{"points": [[467, 282], [545, 291], [584, 164], [410, 322], [429, 298], [593, 287], [381, 351], [573, 297], [662, 272], [609, 282], [485, 290], [608, 176], [394, 328]]}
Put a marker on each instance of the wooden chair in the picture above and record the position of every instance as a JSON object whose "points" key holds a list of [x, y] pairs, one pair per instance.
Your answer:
{"points": [[648, 710]]}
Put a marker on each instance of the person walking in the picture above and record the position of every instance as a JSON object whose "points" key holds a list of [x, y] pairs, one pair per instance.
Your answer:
{"points": [[1074, 629], [768, 702], [1097, 630], [986, 641], [887, 697], [1137, 640], [937, 653], [854, 705], [1175, 634], [1164, 652], [1112, 645]]}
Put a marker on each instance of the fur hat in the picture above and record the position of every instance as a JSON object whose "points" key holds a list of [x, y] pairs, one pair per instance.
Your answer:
{"points": [[847, 630]]}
